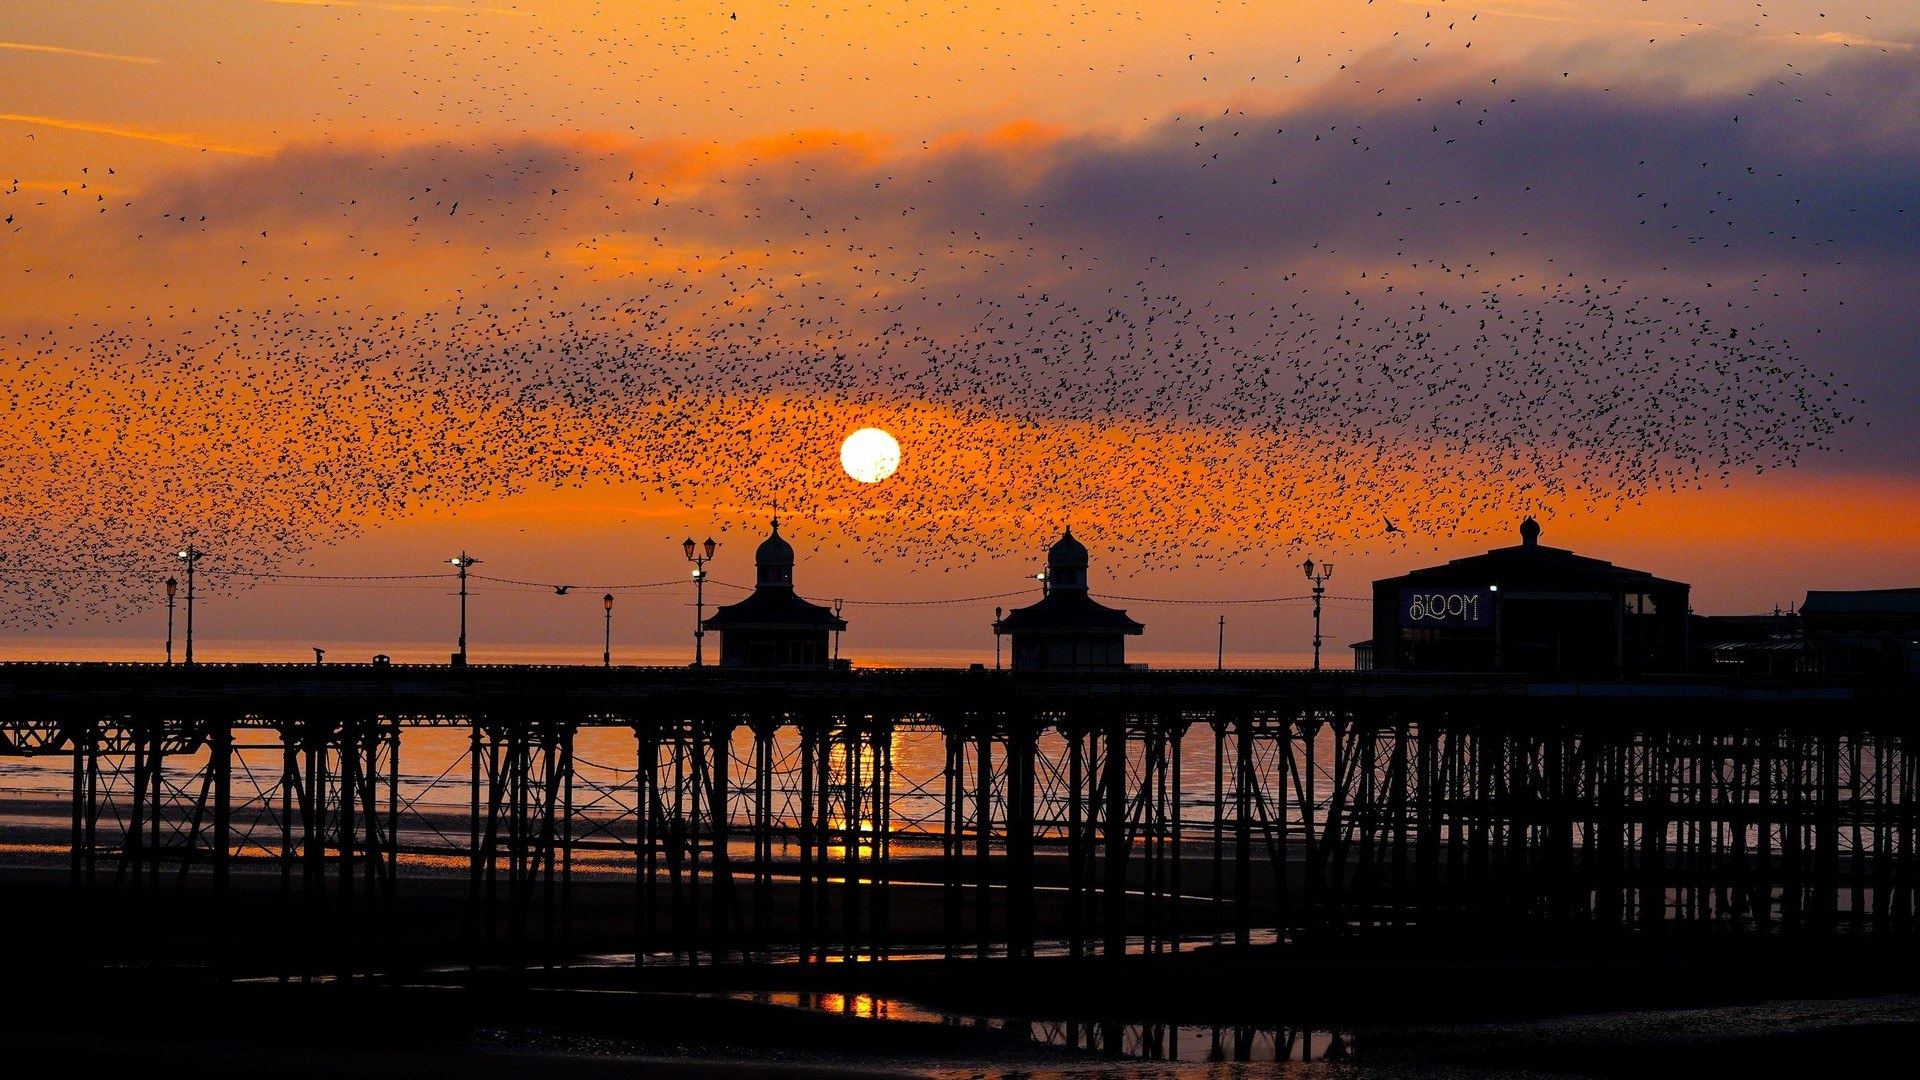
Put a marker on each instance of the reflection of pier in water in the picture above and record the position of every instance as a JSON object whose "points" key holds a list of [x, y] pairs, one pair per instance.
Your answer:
{"points": [[798, 814], [1119, 1039]]}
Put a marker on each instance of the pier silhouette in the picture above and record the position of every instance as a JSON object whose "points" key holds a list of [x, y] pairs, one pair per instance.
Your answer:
{"points": [[865, 815]]}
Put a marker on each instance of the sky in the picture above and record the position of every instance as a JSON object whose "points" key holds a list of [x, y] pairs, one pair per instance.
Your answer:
{"points": [[339, 290]]}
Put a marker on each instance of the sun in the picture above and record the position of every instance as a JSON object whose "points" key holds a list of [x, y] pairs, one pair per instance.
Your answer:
{"points": [[870, 455]]}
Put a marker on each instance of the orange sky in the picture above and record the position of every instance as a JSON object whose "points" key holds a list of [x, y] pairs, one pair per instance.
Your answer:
{"points": [[348, 287]]}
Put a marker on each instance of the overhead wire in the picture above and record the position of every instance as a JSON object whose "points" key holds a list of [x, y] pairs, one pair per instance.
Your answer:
{"points": [[922, 603], [570, 587], [275, 576], [1223, 603], [567, 587]]}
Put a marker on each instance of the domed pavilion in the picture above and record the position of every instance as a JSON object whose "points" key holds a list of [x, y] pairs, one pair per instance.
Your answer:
{"points": [[774, 627], [1067, 630]]}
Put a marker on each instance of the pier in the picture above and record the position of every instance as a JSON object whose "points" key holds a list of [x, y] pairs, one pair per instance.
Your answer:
{"points": [[735, 817]]}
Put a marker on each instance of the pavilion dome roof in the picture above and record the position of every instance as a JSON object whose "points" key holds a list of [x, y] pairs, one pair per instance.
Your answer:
{"points": [[1067, 551], [774, 550]]}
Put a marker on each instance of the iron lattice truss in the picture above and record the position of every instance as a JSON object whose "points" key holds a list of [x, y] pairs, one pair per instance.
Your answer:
{"points": [[782, 824]]}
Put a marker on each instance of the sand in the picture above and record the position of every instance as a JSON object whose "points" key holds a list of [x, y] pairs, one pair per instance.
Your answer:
{"points": [[164, 977]]}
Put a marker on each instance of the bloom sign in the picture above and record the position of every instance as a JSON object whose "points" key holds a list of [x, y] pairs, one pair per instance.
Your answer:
{"points": [[1446, 607]]}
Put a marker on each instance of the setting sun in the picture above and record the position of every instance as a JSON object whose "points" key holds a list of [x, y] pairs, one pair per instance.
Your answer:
{"points": [[870, 455], [423, 571]]}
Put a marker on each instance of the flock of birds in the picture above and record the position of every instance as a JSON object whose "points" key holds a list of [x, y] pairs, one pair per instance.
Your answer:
{"points": [[1336, 359]]}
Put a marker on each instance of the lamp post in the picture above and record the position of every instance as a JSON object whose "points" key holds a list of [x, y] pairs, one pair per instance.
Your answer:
{"points": [[1318, 575], [1042, 578], [463, 560], [191, 556], [698, 556], [996, 639], [606, 649], [1220, 660], [1499, 659], [837, 603], [173, 586]]}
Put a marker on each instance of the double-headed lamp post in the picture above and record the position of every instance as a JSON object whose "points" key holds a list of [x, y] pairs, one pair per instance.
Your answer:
{"points": [[698, 554], [173, 586], [1318, 575], [191, 556], [606, 650], [463, 560]]}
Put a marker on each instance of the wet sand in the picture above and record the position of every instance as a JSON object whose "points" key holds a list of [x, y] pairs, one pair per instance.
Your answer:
{"points": [[1486, 1000]]}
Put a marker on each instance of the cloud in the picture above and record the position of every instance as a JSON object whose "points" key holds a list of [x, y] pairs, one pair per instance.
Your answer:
{"points": [[82, 53], [1844, 40], [169, 138], [1639, 178], [1449, 303], [408, 9]]}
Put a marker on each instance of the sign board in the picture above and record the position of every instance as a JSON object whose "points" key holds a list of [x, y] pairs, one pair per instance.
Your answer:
{"points": [[1446, 607]]}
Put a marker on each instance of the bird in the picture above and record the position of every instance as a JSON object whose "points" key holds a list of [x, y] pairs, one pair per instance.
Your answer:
{"points": [[1009, 341]]}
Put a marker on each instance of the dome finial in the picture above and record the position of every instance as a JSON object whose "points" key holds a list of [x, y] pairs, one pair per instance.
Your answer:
{"points": [[1530, 531]]}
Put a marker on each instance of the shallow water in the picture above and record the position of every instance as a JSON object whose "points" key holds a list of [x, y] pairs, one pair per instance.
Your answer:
{"points": [[1179, 1043], [1811, 1038]]}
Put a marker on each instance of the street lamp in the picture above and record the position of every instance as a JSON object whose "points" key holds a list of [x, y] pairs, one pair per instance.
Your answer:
{"points": [[606, 650], [1317, 575], [173, 586], [837, 602], [190, 555], [1042, 578], [996, 638], [462, 560], [698, 556]]}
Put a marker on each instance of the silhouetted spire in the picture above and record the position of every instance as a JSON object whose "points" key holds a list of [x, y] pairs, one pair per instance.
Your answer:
{"points": [[1530, 532], [1067, 563], [774, 560]]}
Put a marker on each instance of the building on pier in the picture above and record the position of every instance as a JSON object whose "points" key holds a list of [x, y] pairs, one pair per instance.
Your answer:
{"points": [[1533, 609], [1871, 632], [774, 627], [1767, 645], [1067, 630]]}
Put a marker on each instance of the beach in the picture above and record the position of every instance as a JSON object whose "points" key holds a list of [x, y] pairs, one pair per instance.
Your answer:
{"points": [[1494, 1003]]}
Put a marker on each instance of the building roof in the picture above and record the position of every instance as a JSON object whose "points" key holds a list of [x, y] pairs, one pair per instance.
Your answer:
{"points": [[1862, 602], [1776, 645], [1066, 611], [1716, 630], [1529, 565], [774, 608]]}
